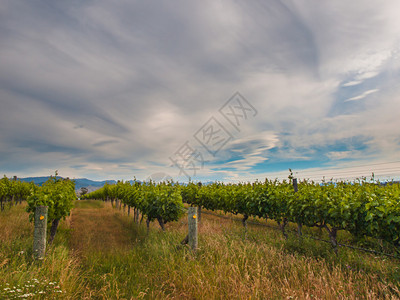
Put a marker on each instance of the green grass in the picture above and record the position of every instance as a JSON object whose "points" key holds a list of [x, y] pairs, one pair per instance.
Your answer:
{"points": [[101, 254], [57, 276], [82, 204], [228, 267]]}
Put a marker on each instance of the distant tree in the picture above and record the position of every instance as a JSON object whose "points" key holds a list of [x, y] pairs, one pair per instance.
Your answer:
{"points": [[84, 190]]}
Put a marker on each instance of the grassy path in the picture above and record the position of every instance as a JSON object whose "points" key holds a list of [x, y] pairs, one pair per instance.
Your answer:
{"points": [[96, 227]]}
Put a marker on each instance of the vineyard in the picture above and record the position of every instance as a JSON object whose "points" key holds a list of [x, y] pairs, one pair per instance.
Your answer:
{"points": [[57, 194], [360, 208], [13, 192]]}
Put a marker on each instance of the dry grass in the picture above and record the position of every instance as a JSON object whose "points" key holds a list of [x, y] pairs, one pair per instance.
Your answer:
{"points": [[98, 229], [227, 266], [14, 224], [58, 276], [236, 270]]}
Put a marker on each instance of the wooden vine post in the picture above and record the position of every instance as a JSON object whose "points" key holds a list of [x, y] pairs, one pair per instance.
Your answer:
{"points": [[198, 214], [244, 222], [199, 207], [193, 230], [136, 215], [295, 187], [39, 233], [299, 224]]}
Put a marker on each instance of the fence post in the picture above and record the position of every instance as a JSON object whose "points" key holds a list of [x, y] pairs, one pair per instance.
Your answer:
{"points": [[199, 207], [198, 214], [299, 224], [295, 185], [39, 233], [192, 221], [137, 215]]}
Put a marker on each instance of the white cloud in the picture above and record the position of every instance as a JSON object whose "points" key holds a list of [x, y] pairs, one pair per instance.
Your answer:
{"points": [[363, 95], [252, 149], [336, 155], [352, 83]]}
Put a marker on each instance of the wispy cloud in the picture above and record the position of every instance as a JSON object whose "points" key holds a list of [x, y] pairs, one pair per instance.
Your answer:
{"points": [[363, 95], [352, 83]]}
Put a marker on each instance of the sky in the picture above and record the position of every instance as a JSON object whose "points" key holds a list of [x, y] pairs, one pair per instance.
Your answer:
{"points": [[200, 90]]}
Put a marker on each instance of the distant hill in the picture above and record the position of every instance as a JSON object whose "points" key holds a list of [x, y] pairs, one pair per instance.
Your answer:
{"points": [[79, 183]]}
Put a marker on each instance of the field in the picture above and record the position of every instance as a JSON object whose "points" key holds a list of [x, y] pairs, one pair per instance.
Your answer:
{"points": [[100, 253]]}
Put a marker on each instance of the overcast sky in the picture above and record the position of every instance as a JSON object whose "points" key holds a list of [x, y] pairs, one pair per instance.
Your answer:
{"points": [[212, 90]]}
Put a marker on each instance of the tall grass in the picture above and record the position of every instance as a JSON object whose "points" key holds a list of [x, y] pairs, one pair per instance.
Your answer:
{"points": [[57, 276]]}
